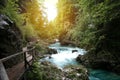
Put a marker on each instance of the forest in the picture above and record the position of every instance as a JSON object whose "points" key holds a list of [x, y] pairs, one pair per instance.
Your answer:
{"points": [[92, 25]]}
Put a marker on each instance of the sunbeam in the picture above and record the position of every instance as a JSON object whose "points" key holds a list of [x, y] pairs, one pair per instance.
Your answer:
{"points": [[51, 9]]}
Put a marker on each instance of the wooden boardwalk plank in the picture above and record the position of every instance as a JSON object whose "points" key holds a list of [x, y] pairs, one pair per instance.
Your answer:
{"points": [[16, 71]]}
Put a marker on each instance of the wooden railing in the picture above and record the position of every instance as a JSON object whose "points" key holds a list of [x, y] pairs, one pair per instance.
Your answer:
{"points": [[28, 58]]}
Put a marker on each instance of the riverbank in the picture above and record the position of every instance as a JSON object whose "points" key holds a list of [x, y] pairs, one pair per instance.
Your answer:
{"points": [[47, 71]]}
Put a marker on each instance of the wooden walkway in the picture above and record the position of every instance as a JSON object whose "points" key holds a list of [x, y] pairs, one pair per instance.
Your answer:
{"points": [[17, 71]]}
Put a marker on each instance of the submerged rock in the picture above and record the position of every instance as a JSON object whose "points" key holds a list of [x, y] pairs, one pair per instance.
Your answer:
{"points": [[74, 51]]}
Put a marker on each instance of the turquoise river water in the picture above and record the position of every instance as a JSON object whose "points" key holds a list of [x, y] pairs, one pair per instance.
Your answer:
{"points": [[65, 57]]}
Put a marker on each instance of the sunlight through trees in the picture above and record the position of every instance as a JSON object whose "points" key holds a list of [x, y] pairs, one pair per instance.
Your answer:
{"points": [[50, 9]]}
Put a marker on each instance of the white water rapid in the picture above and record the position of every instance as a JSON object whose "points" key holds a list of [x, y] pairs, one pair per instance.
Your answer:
{"points": [[66, 56]]}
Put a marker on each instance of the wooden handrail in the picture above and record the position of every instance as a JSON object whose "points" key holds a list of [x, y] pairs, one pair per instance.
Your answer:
{"points": [[11, 56]]}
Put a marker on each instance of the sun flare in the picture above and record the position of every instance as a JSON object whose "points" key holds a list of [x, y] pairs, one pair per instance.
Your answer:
{"points": [[51, 9]]}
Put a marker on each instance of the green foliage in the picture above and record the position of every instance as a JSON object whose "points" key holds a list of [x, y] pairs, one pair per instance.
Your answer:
{"points": [[67, 12], [43, 72], [41, 48], [28, 31], [12, 11], [30, 22], [91, 20], [35, 74]]}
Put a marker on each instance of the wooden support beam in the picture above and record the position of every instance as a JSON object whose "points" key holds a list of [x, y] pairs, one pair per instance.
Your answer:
{"points": [[3, 74], [25, 59]]}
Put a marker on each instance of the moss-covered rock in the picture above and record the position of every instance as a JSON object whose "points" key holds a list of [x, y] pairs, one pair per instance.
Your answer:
{"points": [[47, 71], [44, 71], [76, 72], [101, 60]]}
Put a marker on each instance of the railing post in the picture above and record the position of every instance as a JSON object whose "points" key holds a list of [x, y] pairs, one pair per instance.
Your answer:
{"points": [[3, 74], [25, 59]]}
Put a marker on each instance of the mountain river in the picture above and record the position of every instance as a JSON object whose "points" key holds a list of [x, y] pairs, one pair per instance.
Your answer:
{"points": [[65, 56]]}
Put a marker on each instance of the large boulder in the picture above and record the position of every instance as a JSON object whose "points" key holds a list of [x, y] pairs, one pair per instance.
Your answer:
{"points": [[100, 60], [10, 39], [52, 51]]}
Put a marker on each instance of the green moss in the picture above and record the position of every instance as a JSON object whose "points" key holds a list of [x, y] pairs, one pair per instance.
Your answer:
{"points": [[47, 71], [43, 72]]}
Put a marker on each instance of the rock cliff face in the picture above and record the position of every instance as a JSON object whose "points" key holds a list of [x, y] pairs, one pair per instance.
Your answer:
{"points": [[10, 38], [2, 3]]}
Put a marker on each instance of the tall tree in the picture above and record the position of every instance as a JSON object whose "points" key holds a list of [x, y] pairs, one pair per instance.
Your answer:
{"points": [[67, 12]]}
